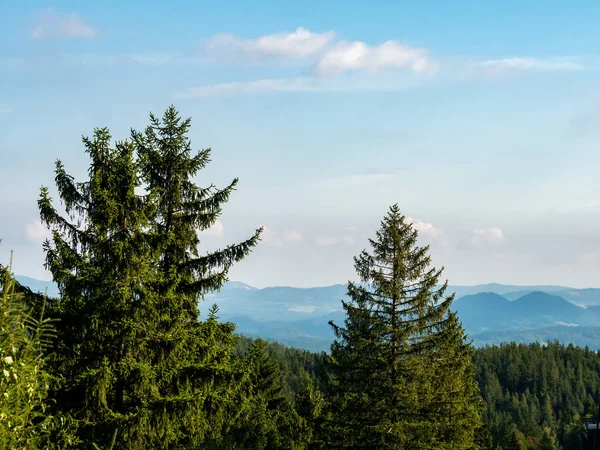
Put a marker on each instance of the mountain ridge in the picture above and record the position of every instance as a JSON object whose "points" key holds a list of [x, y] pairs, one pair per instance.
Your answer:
{"points": [[299, 316]]}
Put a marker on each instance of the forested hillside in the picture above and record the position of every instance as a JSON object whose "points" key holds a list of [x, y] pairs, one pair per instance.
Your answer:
{"points": [[537, 396], [539, 393]]}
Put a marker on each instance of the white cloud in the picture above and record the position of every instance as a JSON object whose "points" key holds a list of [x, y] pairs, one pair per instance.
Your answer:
{"points": [[270, 238], [298, 84], [250, 87], [36, 231], [493, 236], [358, 55], [215, 230], [516, 66], [329, 57], [424, 228], [53, 24], [301, 43], [292, 236], [4, 109]]}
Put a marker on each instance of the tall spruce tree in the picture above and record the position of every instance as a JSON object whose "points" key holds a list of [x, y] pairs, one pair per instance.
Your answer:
{"points": [[181, 210], [400, 373], [139, 368]]}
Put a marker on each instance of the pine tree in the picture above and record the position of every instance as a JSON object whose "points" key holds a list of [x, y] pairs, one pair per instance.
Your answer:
{"points": [[400, 374], [139, 368]]}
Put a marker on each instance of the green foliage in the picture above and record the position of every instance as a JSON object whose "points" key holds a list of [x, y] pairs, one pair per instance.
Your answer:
{"points": [[25, 422], [400, 373], [138, 369], [309, 404], [269, 420], [295, 364], [544, 392]]}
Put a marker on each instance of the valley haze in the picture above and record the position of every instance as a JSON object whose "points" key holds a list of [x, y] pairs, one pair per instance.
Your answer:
{"points": [[491, 313]]}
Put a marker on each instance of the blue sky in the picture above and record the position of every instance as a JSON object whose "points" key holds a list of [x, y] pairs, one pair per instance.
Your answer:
{"points": [[481, 119]]}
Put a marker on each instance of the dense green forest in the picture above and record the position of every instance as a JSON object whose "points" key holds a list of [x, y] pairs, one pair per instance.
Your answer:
{"points": [[538, 396], [122, 360]]}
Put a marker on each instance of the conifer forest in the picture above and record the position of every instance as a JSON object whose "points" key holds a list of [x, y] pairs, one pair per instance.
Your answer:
{"points": [[131, 355]]}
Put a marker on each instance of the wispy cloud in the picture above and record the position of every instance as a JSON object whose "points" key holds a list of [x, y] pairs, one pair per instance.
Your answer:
{"points": [[298, 84], [299, 44], [483, 236], [4, 109], [346, 56], [53, 24], [522, 66], [250, 87], [292, 236]]}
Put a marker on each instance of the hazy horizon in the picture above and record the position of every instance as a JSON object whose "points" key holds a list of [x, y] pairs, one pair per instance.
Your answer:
{"points": [[49, 280]]}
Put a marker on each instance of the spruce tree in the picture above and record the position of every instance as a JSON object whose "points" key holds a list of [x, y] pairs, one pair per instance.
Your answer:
{"points": [[180, 211], [139, 370], [400, 373], [98, 258]]}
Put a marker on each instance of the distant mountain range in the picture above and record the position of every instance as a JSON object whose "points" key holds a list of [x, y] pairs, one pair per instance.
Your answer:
{"points": [[491, 313]]}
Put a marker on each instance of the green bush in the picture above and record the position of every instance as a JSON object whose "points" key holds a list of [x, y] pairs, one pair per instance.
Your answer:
{"points": [[24, 423]]}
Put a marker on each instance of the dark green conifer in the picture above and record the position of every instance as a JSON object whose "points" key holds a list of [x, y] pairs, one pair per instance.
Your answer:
{"points": [[400, 374], [181, 209], [139, 369]]}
